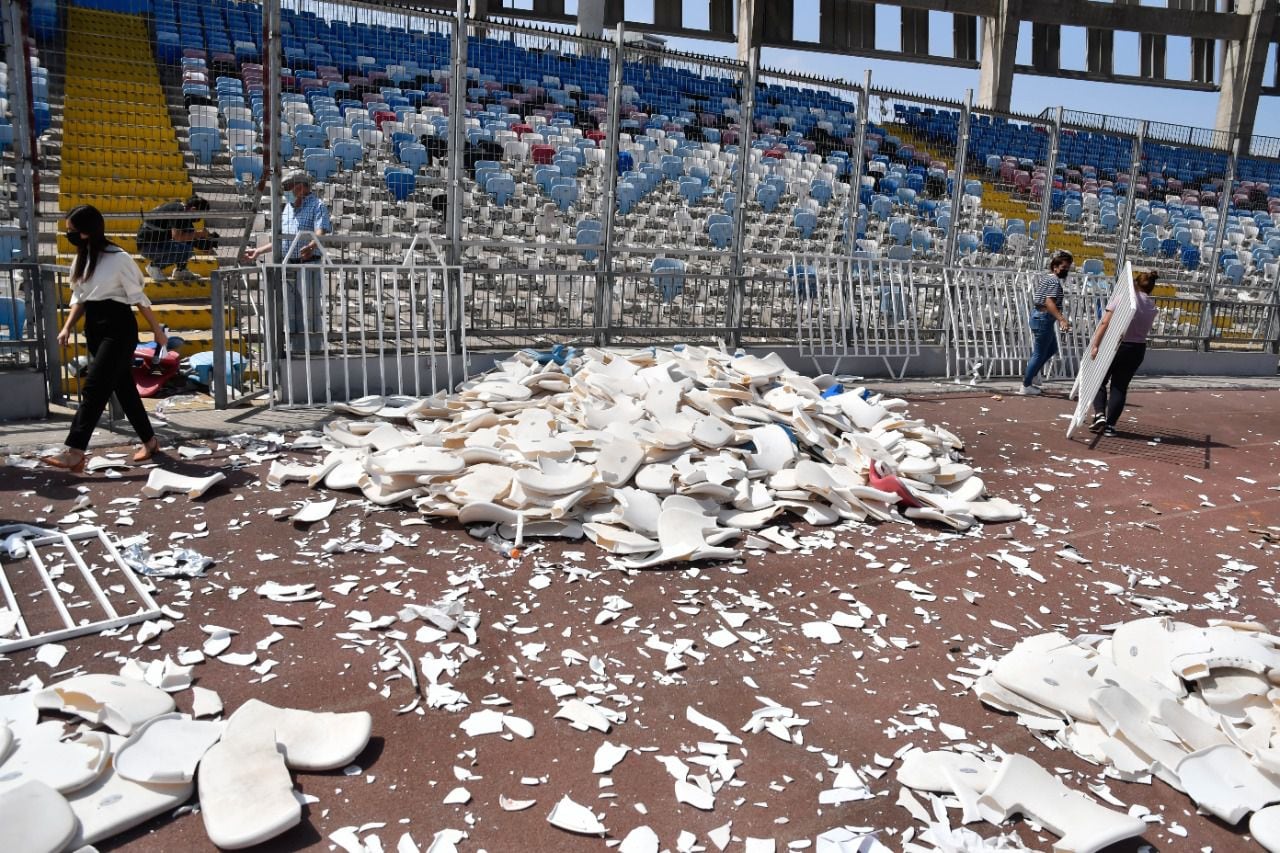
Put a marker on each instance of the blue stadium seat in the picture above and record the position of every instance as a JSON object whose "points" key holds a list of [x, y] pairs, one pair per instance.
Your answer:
{"points": [[205, 142], [247, 168], [13, 316], [1092, 266], [400, 184], [502, 187], [805, 221], [993, 241], [1190, 258], [565, 195], [668, 277]]}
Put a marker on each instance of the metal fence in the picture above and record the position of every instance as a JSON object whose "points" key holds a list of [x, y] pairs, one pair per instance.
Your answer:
{"points": [[599, 190], [311, 333]]}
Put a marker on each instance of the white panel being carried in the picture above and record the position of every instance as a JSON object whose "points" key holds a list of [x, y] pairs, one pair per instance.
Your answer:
{"points": [[1094, 370]]}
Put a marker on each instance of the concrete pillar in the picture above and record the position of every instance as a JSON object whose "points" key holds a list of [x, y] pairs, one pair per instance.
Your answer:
{"points": [[668, 14], [591, 18], [748, 30], [721, 17], [999, 50], [1243, 64]]}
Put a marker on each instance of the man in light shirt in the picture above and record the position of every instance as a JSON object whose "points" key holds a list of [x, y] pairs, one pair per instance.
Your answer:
{"points": [[304, 213]]}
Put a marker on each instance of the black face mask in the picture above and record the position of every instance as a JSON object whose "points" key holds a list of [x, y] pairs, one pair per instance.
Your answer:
{"points": [[74, 238]]}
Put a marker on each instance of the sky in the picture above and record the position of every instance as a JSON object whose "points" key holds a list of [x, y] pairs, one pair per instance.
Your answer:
{"points": [[1031, 93]]}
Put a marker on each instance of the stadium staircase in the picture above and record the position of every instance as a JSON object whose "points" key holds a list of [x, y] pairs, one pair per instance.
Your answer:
{"points": [[1009, 206], [120, 153]]}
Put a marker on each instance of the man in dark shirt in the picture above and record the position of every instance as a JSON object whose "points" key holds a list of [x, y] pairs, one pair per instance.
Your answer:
{"points": [[170, 241]]}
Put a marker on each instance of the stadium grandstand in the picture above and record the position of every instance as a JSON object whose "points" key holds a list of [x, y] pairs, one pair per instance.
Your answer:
{"points": [[604, 188]]}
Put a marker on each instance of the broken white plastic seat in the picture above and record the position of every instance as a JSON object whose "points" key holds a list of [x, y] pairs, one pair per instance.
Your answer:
{"points": [[121, 704], [995, 510], [113, 804], [161, 482], [969, 490], [572, 817], [542, 529], [1264, 826], [483, 483], [6, 740], [309, 740], [1223, 782], [312, 511], [1197, 652], [774, 449], [1050, 671], [35, 818], [1023, 786], [42, 755], [489, 513], [681, 537], [556, 478], [929, 771], [285, 472], [1117, 711], [619, 540], [415, 461], [166, 750], [246, 794]]}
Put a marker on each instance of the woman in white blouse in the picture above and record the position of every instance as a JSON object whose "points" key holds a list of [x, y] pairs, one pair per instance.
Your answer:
{"points": [[106, 286]]}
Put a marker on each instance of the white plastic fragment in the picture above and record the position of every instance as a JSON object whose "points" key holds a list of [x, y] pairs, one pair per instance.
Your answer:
{"points": [[160, 482], [572, 817]]}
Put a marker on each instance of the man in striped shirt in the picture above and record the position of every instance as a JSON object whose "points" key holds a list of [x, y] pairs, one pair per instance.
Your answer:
{"points": [[1047, 310]]}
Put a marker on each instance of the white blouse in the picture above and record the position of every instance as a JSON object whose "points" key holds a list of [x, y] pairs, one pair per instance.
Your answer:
{"points": [[116, 277]]}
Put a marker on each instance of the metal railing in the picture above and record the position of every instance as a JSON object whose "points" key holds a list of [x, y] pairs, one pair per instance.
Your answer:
{"points": [[310, 333]]}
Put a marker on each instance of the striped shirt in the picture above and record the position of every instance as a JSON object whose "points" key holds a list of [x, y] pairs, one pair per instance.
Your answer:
{"points": [[311, 215], [1048, 285]]}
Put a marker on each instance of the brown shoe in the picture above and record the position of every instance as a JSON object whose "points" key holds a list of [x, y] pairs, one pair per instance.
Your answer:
{"points": [[67, 460], [147, 450]]}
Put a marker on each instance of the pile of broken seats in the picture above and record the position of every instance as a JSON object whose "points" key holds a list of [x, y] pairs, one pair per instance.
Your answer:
{"points": [[1191, 706], [656, 455], [131, 757]]}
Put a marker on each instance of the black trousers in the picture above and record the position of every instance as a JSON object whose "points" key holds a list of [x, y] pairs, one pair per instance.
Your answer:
{"points": [[112, 336], [1123, 367]]}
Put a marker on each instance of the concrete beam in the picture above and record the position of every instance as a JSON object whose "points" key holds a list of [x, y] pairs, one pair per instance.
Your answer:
{"points": [[999, 51], [591, 18], [1243, 65], [1086, 13]]}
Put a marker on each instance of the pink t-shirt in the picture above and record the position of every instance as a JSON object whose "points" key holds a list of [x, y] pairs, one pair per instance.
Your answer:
{"points": [[1143, 318]]}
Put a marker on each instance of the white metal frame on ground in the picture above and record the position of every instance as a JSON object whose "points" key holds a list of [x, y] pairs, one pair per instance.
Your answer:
{"points": [[150, 610], [1093, 371]]}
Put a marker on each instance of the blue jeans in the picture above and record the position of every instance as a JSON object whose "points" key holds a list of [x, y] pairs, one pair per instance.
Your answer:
{"points": [[162, 253], [1044, 344]]}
